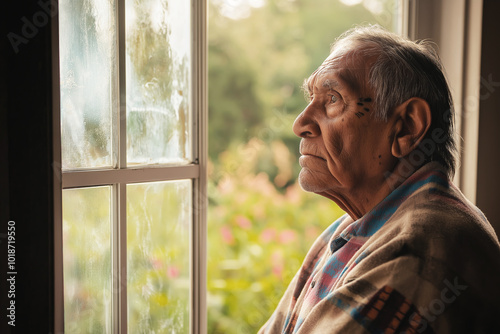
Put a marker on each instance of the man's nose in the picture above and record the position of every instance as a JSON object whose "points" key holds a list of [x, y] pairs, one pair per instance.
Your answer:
{"points": [[305, 126]]}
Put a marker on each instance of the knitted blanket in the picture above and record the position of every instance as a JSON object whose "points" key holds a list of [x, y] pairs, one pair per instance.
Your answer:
{"points": [[424, 260]]}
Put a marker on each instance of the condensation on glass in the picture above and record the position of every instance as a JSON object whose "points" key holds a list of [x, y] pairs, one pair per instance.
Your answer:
{"points": [[88, 72], [158, 253], [87, 260], [158, 67]]}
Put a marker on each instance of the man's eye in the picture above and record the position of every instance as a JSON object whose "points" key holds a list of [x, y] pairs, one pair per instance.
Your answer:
{"points": [[334, 99]]}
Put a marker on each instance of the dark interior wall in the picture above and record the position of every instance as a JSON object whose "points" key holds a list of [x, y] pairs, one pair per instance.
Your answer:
{"points": [[488, 168], [4, 183], [26, 189]]}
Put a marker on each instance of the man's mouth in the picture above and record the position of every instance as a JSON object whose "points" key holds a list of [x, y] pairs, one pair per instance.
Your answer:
{"points": [[306, 155]]}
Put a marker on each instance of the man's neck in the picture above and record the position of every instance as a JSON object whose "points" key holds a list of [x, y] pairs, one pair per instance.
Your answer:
{"points": [[357, 202]]}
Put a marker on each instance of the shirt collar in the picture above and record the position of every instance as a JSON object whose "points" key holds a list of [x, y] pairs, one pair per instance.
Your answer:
{"points": [[372, 221]]}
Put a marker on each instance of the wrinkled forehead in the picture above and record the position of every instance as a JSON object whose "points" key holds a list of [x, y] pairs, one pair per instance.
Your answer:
{"points": [[348, 65]]}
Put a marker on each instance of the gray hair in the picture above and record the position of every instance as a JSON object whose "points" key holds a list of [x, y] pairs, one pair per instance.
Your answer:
{"points": [[402, 69]]}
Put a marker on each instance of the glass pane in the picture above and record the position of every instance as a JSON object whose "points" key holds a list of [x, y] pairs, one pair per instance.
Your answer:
{"points": [[87, 33], [159, 217], [158, 81], [87, 260]]}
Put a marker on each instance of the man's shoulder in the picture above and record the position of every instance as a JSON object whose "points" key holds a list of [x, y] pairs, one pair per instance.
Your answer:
{"points": [[443, 212], [443, 235], [441, 226]]}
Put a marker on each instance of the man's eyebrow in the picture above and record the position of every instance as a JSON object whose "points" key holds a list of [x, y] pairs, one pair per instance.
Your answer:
{"points": [[331, 83], [345, 81]]}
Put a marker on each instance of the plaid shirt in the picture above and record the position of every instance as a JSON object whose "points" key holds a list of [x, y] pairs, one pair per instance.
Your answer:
{"points": [[385, 272]]}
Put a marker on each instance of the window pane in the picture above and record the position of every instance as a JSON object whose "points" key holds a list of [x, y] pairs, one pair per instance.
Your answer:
{"points": [[158, 81], [159, 217], [87, 51], [87, 260]]}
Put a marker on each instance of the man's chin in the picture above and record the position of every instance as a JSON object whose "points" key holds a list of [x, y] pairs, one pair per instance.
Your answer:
{"points": [[309, 184]]}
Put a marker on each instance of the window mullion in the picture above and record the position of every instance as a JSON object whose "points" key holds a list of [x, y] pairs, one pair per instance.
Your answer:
{"points": [[119, 242], [200, 149], [407, 18], [120, 325], [90, 178], [122, 108]]}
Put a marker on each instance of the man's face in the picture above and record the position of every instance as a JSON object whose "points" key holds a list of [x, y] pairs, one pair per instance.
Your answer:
{"points": [[344, 149]]}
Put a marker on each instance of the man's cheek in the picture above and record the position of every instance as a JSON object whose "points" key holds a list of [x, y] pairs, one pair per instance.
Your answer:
{"points": [[335, 147]]}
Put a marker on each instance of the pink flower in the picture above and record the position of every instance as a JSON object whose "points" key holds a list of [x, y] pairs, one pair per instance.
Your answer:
{"points": [[227, 235], [267, 235], [293, 194], [287, 236], [243, 222], [277, 270], [226, 185], [156, 263], [173, 271], [277, 263]]}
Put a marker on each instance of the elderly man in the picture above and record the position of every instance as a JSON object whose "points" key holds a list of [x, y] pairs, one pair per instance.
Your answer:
{"points": [[412, 254]]}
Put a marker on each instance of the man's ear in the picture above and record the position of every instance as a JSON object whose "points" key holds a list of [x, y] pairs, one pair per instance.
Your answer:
{"points": [[412, 120]]}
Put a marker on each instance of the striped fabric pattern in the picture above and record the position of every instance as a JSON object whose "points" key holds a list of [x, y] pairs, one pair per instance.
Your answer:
{"points": [[330, 294]]}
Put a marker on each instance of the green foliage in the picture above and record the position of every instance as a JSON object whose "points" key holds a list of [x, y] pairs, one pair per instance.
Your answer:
{"points": [[234, 98], [257, 236]]}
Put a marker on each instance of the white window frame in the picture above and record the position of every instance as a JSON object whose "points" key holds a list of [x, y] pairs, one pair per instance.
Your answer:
{"points": [[119, 177]]}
